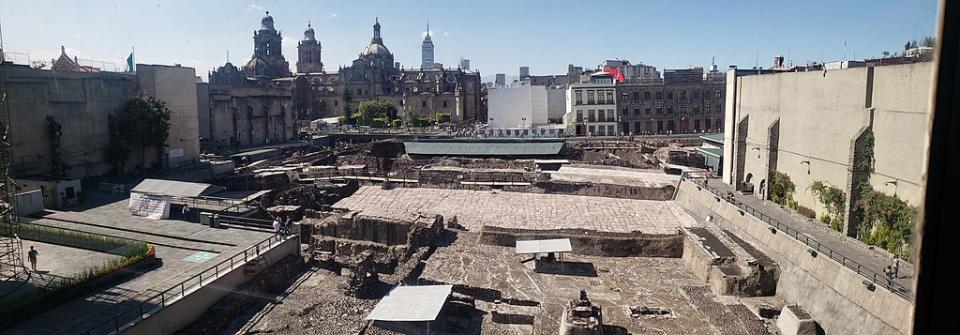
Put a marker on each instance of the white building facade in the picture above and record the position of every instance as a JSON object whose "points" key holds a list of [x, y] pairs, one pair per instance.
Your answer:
{"points": [[591, 107], [517, 107]]}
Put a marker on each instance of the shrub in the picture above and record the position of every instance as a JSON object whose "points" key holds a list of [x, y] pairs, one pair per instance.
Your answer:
{"points": [[807, 212], [781, 188]]}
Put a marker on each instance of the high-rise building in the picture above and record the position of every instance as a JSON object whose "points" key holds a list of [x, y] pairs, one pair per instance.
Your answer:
{"points": [[524, 72], [465, 64], [426, 51], [308, 51], [501, 80]]}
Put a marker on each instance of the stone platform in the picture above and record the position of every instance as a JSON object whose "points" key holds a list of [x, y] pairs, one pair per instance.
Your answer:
{"points": [[475, 209]]}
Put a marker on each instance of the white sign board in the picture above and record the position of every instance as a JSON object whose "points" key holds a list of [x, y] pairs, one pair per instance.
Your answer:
{"points": [[176, 153], [150, 206]]}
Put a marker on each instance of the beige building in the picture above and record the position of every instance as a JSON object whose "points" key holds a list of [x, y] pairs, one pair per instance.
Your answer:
{"points": [[814, 126], [591, 106]]}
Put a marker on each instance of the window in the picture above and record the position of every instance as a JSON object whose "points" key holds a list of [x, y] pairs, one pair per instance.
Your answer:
{"points": [[646, 95], [719, 95], [683, 109], [669, 95], [696, 95], [626, 111], [424, 104], [579, 115], [444, 104], [636, 96], [591, 116], [600, 98], [611, 116], [647, 111], [610, 130], [579, 97], [590, 99], [659, 110], [623, 96], [659, 95], [718, 110], [593, 130], [706, 109], [669, 109], [696, 109], [683, 95], [696, 125], [636, 111], [610, 97]]}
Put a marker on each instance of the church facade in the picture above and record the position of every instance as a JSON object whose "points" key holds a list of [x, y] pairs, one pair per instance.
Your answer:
{"points": [[261, 102]]}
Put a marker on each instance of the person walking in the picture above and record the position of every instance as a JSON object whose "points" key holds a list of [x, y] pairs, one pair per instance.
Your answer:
{"points": [[32, 257], [895, 267]]}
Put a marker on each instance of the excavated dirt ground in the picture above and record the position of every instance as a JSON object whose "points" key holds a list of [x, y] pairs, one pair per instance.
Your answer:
{"points": [[534, 301]]}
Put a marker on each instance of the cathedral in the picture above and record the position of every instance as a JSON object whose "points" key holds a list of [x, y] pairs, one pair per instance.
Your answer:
{"points": [[429, 92], [261, 102]]}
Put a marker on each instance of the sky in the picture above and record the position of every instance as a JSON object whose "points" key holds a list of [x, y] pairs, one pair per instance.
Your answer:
{"points": [[498, 36]]}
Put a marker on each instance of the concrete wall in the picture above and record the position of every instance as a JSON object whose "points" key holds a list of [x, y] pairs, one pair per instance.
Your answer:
{"points": [[556, 104], [176, 87], [81, 103], [250, 116], [184, 311], [821, 114], [203, 110], [522, 106], [833, 294]]}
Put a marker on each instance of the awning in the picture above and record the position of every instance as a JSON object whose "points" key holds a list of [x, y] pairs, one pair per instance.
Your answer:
{"points": [[411, 303], [175, 188], [544, 246]]}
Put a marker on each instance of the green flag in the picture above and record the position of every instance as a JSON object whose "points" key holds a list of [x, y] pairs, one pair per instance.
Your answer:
{"points": [[130, 63]]}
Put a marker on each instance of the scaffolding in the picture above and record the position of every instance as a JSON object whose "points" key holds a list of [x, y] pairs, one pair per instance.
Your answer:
{"points": [[11, 258]]}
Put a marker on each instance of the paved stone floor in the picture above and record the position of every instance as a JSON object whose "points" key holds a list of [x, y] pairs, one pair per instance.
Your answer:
{"points": [[175, 241], [474, 209], [64, 261]]}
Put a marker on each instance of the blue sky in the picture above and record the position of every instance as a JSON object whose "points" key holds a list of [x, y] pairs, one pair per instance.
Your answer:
{"points": [[496, 35]]}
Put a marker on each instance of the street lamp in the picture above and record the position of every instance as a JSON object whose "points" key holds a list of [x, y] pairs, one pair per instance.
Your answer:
{"points": [[808, 165]]}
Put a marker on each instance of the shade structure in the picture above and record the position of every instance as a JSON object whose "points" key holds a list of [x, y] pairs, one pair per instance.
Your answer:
{"points": [[411, 303]]}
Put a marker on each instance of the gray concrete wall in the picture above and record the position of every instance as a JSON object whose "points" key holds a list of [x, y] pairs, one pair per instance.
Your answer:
{"points": [[176, 87], [186, 310], [81, 102], [203, 109], [833, 294], [821, 113]]}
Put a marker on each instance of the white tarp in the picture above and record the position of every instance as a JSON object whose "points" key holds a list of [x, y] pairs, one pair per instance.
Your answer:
{"points": [[544, 246], [411, 303], [150, 206]]}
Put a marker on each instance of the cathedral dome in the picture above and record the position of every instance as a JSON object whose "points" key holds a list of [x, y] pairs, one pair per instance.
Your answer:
{"points": [[267, 22], [309, 35], [376, 49]]}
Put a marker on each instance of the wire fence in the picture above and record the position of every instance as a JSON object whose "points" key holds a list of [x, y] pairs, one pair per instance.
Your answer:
{"points": [[815, 246]]}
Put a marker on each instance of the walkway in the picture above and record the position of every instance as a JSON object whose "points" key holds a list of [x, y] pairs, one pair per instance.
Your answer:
{"points": [[850, 252], [185, 248]]}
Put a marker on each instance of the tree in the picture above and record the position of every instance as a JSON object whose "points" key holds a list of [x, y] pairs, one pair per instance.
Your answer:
{"points": [[377, 109], [145, 124], [929, 41], [885, 54], [347, 112], [117, 153]]}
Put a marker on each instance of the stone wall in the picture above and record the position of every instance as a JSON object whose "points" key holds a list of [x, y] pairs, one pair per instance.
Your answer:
{"points": [[833, 294], [590, 242]]}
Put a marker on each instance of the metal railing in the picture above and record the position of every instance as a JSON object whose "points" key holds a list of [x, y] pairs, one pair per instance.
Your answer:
{"points": [[877, 278], [157, 302]]}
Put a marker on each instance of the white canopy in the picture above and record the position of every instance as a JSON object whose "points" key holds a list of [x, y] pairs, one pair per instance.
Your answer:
{"points": [[543, 246], [175, 188], [411, 303]]}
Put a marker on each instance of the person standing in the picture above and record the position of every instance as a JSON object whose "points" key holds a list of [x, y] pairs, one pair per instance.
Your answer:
{"points": [[32, 257], [276, 225]]}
